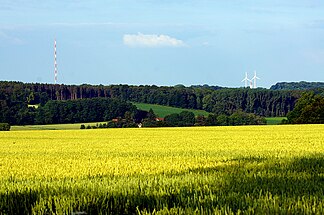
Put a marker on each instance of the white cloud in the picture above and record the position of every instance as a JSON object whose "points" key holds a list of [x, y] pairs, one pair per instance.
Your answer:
{"points": [[151, 40], [205, 43], [9, 39], [315, 56]]}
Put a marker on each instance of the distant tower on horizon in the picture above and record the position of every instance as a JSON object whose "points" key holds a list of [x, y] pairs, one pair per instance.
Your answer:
{"points": [[251, 82], [246, 80], [254, 79], [55, 63]]}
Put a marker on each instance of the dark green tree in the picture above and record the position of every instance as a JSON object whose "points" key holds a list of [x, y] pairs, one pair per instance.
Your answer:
{"points": [[222, 120], [309, 109], [211, 120], [187, 118], [200, 120], [173, 120]]}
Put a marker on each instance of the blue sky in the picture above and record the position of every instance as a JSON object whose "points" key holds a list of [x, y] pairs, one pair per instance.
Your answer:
{"points": [[162, 42]]}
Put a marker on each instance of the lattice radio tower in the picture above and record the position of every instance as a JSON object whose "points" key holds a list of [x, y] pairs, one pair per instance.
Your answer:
{"points": [[55, 63]]}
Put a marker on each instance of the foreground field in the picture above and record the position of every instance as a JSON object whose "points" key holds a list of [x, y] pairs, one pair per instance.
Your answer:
{"points": [[248, 169]]}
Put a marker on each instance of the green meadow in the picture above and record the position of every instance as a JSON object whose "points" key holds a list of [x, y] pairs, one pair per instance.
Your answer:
{"points": [[162, 111], [274, 120]]}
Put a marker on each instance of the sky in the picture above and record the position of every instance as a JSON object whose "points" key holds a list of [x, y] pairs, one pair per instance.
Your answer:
{"points": [[162, 42]]}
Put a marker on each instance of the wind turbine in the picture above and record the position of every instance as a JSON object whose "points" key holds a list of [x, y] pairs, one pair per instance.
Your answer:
{"points": [[254, 79], [246, 80]]}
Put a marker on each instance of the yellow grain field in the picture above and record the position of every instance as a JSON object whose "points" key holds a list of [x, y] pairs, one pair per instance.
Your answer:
{"points": [[248, 169]]}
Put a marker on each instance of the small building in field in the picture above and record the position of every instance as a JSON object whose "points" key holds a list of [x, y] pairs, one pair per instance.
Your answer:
{"points": [[159, 119]]}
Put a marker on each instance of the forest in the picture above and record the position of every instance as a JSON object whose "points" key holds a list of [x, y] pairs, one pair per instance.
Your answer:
{"points": [[16, 99], [302, 85], [83, 110]]}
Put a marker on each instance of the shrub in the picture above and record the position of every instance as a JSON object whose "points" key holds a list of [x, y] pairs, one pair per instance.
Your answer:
{"points": [[4, 127], [309, 109], [82, 126], [111, 125]]}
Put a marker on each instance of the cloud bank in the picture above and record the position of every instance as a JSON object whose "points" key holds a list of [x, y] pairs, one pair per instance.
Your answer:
{"points": [[9, 39], [151, 40]]}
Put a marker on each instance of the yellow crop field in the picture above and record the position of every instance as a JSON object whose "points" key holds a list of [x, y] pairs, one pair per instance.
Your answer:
{"points": [[197, 170]]}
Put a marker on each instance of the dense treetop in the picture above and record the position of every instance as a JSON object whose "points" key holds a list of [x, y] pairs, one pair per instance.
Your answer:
{"points": [[308, 110], [302, 85]]}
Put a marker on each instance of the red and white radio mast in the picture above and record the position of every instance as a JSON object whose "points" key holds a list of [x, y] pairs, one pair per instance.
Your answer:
{"points": [[55, 63]]}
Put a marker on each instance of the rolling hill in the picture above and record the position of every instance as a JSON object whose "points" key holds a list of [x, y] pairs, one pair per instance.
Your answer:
{"points": [[162, 111]]}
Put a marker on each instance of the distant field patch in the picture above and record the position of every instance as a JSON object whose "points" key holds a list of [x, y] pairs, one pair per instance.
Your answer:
{"points": [[163, 111], [52, 126], [274, 120], [33, 106]]}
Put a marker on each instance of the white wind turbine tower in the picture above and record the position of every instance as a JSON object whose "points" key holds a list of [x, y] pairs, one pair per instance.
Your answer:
{"points": [[254, 79], [246, 80]]}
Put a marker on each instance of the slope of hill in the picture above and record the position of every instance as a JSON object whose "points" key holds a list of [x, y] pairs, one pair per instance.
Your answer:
{"points": [[274, 120], [162, 111]]}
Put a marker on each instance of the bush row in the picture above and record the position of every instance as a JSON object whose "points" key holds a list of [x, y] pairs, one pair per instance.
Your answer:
{"points": [[4, 127]]}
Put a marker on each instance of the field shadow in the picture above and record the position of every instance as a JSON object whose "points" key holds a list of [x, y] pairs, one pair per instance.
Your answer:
{"points": [[18, 202], [247, 182], [243, 184]]}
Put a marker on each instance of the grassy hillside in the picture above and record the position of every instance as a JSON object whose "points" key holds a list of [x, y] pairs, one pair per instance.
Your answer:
{"points": [[274, 120], [163, 111]]}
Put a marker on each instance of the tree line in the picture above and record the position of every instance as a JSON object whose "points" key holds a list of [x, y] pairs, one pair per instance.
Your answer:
{"points": [[302, 85], [239, 117], [83, 110], [226, 105], [182, 119], [16, 96]]}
